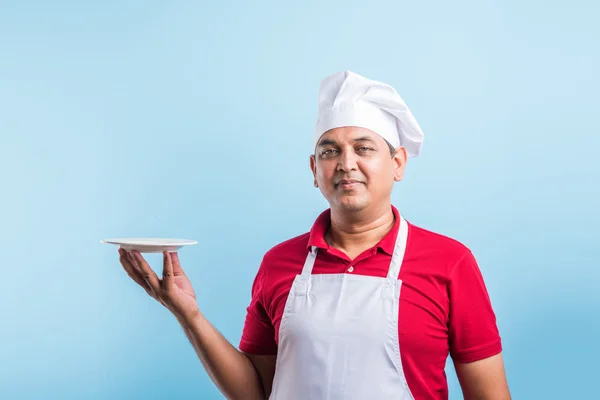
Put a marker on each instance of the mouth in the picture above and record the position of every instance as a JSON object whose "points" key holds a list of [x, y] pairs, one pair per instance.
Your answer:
{"points": [[347, 183]]}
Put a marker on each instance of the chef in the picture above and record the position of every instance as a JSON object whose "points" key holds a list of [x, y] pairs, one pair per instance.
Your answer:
{"points": [[366, 305]]}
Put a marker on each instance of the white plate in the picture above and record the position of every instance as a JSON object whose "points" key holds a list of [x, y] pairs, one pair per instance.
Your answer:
{"points": [[150, 245]]}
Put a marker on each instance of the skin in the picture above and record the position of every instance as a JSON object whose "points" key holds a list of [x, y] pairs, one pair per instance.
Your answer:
{"points": [[484, 379], [355, 172], [234, 373]]}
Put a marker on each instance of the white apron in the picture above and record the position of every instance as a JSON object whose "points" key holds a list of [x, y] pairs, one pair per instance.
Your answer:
{"points": [[338, 338]]}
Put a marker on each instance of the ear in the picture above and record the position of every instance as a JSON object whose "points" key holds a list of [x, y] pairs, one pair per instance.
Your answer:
{"points": [[313, 168], [399, 160]]}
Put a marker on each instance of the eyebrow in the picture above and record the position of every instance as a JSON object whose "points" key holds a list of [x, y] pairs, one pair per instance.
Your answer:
{"points": [[327, 142], [364, 139]]}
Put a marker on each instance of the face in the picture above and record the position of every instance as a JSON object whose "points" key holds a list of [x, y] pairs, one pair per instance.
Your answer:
{"points": [[354, 169]]}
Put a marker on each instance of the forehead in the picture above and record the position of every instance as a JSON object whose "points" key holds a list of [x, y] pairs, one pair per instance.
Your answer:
{"points": [[349, 134]]}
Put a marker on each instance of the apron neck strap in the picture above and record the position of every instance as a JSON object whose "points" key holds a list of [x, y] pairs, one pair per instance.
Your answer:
{"points": [[310, 261], [399, 249]]}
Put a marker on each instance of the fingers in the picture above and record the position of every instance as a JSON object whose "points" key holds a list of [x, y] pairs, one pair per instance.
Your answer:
{"points": [[177, 270], [132, 271], [168, 277], [140, 271], [147, 273]]}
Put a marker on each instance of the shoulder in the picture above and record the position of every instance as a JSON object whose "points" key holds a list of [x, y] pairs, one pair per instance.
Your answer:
{"points": [[297, 244], [439, 242], [436, 249], [285, 254], [279, 265], [281, 261]]}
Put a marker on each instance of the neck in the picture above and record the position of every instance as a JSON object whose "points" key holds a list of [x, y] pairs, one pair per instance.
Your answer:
{"points": [[354, 233]]}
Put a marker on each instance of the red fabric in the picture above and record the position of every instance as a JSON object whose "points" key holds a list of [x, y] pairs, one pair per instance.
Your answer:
{"points": [[444, 305]]}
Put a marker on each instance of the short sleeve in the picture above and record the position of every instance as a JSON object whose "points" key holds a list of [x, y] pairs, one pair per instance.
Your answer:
{"points": [[473, 330], [258, 336]]}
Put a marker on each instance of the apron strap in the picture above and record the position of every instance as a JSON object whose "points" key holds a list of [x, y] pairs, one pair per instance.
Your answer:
{"points": [[310, 261], [399, 249]]}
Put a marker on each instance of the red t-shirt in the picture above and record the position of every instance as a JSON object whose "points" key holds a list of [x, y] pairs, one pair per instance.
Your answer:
{"points": [[444, 305]]}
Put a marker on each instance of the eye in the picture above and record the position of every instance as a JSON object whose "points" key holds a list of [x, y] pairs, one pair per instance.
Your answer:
{"points": [[328, 152], [365, 148]]}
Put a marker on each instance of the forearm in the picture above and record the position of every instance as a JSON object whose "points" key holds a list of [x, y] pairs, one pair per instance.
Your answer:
{"points": [[231, 371]]}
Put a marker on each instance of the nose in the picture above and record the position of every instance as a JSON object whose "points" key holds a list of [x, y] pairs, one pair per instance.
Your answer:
{"points": [[347, 161]]}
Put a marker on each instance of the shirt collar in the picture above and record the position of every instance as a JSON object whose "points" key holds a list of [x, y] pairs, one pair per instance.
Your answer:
{"points": [[317, 233]]}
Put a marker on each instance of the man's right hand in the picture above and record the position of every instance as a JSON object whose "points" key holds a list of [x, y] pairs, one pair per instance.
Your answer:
{"points": [[237, 375], [174, 290]]}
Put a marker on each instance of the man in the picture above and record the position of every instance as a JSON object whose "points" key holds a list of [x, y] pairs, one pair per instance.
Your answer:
{"points": [[364, 306]]}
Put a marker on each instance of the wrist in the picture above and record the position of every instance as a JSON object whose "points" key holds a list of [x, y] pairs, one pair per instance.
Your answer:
{"points": [[189, 319]]}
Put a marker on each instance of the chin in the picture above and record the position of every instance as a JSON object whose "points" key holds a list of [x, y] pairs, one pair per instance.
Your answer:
{"points": [[352, 204]]}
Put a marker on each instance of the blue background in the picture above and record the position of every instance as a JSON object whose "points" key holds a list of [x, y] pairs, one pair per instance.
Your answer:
{"points": [[177, 119]]}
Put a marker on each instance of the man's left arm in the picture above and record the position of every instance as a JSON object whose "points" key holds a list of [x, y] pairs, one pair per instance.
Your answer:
{"points": [[475, 343], [483, 379]]}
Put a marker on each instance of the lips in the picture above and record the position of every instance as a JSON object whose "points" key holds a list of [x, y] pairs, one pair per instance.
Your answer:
{"points": [[347, 183]]}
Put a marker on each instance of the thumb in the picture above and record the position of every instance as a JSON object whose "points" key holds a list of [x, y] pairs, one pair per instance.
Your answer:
{"points": [[168, 275], [177, 270]]}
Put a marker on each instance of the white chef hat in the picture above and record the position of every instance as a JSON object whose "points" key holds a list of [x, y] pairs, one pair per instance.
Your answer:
{"points": [[349, 99]]}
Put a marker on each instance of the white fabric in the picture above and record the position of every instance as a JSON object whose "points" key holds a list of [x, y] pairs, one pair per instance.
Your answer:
{"points": [[338, 338], [349, 99]]}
